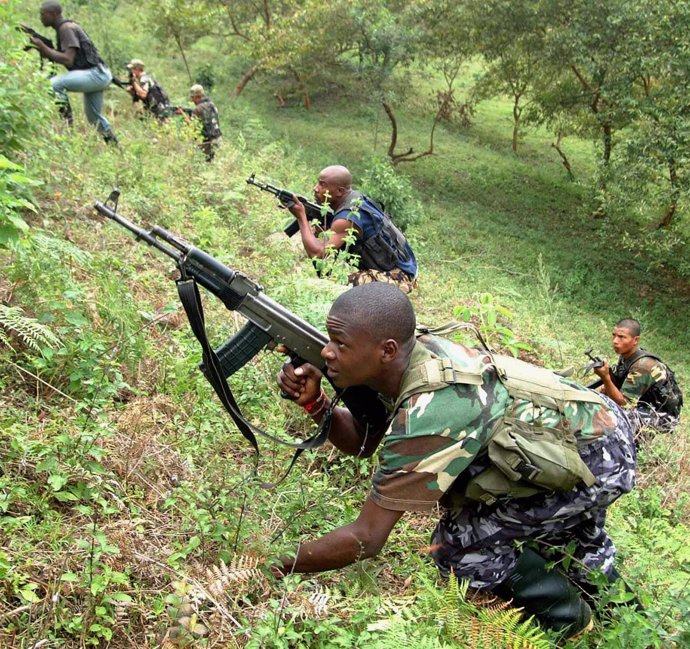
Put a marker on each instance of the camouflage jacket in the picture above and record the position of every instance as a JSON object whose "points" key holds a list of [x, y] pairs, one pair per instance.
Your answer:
{"points": [[435, 437], [207, 112], [644, 373], [156, 99]]}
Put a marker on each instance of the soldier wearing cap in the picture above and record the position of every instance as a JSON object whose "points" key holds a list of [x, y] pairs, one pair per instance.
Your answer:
{"points": [[207, 113], [143, 87]]}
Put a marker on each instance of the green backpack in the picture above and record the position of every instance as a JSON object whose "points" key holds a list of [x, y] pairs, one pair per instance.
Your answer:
{"points": [[526, 457]]}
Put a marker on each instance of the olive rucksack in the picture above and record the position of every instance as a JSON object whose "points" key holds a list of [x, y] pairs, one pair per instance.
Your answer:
{"points": [[663, 396], [525, 457]]}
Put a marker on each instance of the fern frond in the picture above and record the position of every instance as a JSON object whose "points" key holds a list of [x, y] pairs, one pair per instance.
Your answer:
{"points": [[318, 603], [222, 578], [59, 249], [32, 332]]}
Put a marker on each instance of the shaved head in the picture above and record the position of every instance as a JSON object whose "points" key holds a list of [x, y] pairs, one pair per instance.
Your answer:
{"points": [[52, 6], [632, 325], [338, 175], [382, 310]]}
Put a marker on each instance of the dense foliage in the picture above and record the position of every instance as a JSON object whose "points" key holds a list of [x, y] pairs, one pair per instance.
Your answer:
{"points": [[129, 511]]}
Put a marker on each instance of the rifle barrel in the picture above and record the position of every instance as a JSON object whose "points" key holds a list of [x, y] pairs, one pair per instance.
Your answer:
{"points": [[148, 237]]}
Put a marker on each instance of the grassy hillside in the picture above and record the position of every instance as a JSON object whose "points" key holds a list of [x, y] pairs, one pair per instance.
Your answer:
{"points": [[130, 514]]}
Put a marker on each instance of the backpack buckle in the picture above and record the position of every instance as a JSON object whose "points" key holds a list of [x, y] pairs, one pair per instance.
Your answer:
{"points": [[447, 371]]}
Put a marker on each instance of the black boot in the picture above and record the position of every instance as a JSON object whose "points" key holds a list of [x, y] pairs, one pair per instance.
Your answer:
{"points": [[65, 110], [547, 594], [110, 138]]}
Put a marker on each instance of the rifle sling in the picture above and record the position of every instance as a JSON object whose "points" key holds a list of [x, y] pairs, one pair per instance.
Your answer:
{"points": [[191, 301]]}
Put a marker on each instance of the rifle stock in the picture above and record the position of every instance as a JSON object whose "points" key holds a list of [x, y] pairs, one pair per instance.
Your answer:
{"points": [[269, 323]]}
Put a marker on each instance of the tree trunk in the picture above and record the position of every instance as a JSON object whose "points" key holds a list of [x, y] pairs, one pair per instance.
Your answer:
{"points": [[517, 111], [608, 142], [394, 129], [184, 58], [408, 156], [306, 100], [245, 79], [675, 192], [566, 163]]}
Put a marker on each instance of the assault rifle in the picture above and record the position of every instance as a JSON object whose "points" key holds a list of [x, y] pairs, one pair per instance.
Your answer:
{"points": [[314, 210], [121, 83], [32, 32], [268, 324]]}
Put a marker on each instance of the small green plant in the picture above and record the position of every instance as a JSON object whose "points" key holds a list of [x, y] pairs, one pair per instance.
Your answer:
{"points": [[34, 334], [337, 264], [458, 621], [382, 182], [15, 186], [490, 317]]}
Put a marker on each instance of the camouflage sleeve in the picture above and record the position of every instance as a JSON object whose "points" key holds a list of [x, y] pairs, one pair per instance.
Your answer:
{"points": [[642, 376], [145, 83], [433, 438]]}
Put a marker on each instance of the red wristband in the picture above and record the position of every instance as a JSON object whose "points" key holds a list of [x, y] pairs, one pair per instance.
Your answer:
{"points": [[313, 405]]}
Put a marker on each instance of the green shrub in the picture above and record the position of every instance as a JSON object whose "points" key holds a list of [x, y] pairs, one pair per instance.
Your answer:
{"points": [[382, 182]]}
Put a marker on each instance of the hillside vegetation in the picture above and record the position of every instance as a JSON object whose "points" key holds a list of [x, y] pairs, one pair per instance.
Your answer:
{"points": [[131, 514]]}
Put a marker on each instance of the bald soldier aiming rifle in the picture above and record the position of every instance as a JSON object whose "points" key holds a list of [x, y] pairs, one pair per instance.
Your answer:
{"points": [[448, 405], [383, 251]]}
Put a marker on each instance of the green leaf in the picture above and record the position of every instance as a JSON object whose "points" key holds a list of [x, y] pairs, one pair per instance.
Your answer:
{"points": [[57, 481], [28, 595], [121, 597], [76, 318], [65, 496]]}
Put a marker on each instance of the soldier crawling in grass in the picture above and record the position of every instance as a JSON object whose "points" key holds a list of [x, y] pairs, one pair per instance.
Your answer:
{"points": [[384, 253], [448, 404]]}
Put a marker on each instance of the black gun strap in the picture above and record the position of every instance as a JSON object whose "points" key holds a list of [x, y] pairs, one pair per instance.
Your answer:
{"points": [[188, 291]]}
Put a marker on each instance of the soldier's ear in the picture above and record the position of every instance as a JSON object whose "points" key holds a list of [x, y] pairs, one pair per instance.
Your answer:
{"points": [[389, 350]]}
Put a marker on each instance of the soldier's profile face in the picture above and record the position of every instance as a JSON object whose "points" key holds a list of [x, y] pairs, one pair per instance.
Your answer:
{"points": [[350, 353], [623, 341]]}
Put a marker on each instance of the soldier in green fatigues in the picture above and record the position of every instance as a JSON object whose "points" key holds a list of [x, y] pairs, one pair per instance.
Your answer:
{"points": [[205, 111], [640, 380], [143, 87], [434, 447]]}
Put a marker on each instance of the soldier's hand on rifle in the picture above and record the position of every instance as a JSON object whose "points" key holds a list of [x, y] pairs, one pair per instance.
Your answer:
{"points": [[37, 43], [603, 371], [302, 383], [297, 209]]}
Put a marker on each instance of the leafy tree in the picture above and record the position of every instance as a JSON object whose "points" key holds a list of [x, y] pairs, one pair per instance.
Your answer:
{"points": [[183, 21], [299, 40], [510, 37]]}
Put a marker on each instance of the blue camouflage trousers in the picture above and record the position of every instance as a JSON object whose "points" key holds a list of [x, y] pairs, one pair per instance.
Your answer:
{"points": [[478, 542]]}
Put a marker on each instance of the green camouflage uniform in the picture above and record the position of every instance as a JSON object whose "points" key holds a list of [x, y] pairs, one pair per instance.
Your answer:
{"points": [[160, 109], [432, 447], [644, 374], [207, 113]]}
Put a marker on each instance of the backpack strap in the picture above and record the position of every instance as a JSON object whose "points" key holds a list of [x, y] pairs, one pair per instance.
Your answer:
{"points": [[428, 373], [450, 327], [537, 384]]}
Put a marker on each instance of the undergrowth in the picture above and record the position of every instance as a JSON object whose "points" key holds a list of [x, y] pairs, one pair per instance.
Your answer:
{"points": [[130, 513]]}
